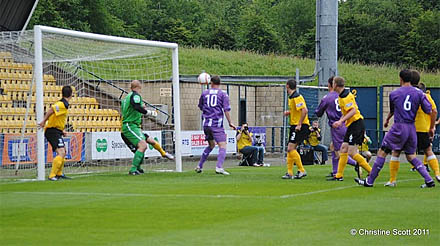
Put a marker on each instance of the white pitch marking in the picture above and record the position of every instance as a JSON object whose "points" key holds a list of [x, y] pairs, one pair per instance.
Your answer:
{"points": [[334, 189], [139, 195], [192, 195]]}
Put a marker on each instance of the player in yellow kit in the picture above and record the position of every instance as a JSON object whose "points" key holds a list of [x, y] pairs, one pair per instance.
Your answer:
{"points": [[422, 123], [355, 129], [56, 117], [299, 130]]}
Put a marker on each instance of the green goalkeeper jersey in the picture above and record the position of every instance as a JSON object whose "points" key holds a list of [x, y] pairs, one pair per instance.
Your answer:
{"points": [[132, 108]]}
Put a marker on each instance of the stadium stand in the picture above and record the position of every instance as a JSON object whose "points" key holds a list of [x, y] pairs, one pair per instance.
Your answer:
{"points": [[85, 113]]}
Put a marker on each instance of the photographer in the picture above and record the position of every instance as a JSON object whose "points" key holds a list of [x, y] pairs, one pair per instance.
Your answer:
{"points": [[244, 145], [315, 138]]}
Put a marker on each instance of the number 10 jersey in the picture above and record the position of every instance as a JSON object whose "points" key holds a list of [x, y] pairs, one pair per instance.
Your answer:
{"points": [[213, 102]]}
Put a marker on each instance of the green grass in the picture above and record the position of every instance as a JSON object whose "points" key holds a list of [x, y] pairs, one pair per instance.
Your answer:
{"points": [[184, 209], [193, 60], [213, 61]]}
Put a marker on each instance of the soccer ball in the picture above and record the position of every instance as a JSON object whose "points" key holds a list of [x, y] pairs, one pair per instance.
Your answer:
{"points": [[204, 78]]}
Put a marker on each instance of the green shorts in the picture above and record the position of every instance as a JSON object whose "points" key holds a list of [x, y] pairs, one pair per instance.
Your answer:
{"points": [[133, 133]]}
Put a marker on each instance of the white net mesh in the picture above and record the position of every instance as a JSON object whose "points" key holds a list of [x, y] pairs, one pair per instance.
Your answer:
{"points": [[100, 74]]}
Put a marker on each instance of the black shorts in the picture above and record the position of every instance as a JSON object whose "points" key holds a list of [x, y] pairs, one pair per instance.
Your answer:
{"points": [[129, 144], [355, 133], [423, 141], [300, 136], [55, 137]]}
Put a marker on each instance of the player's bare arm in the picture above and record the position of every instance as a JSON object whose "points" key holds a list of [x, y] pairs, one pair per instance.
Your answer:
{"points": [[341, 121], [304, 112], [228, 117], [387, 121], [432, 126], [46, 116]]}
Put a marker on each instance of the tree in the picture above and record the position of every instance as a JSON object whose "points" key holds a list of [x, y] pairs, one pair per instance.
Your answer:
{"points": [[257, 34], [369, 40], [370, 31], [292, 20], [62, 14], [101, 20], [422, 43]]}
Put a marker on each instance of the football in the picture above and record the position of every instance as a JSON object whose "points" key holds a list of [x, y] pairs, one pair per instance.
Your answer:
{"points": [[204, 78]]}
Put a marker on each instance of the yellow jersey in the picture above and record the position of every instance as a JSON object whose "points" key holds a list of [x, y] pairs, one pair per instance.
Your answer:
{"points": [[296, 103], [59, 118], [245, 140], [313, 137], [346, 103], [423, 120]]}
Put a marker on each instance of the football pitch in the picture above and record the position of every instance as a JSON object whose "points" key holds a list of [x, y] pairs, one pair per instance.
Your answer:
{"points": [[252, 206]]}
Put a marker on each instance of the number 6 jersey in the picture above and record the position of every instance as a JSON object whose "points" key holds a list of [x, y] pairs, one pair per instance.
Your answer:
{"points": [[213, 102], [404, 103]]}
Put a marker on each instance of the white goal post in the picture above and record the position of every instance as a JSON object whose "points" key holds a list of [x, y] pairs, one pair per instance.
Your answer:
{"points": [[39, 31]]}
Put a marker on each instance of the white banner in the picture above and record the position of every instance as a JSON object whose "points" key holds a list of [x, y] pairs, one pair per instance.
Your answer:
{"points": [[193, 143], [109, 145]]}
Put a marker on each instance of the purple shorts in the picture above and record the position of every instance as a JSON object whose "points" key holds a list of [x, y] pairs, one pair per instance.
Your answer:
{"points": [[215, 133], [338, 136], [401, 137]]}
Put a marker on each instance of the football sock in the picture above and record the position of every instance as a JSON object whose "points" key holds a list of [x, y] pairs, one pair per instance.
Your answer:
{"points": [[335, 161], [204, 157], [425, 161], [421, 169], [60, 169], [362, 162], [394, 168], [56, 163], [221, 157], [351, 162], [156, 145], [137, 160], [297, 160], [343, 158], [378, 164], [290, 161], [433, 163]]}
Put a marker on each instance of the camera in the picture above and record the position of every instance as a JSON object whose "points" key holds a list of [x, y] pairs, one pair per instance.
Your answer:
{"points": [[259, 140], [246, 128]]}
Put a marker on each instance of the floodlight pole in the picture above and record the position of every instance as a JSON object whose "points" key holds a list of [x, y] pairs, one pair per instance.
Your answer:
{"points": [[326, 39]]}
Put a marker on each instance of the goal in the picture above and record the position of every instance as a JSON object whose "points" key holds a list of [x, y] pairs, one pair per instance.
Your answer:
{"points": [[36, 64]]}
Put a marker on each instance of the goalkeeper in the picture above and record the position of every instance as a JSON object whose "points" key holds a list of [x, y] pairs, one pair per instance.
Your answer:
{"points": [[132, 109]]}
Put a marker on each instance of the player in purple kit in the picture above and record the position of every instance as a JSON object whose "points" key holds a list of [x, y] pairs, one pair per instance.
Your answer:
{"points": [[214, 103], [404, 103], [329, 104]]}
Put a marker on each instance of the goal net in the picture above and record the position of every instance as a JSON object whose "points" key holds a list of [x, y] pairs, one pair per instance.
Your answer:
{"points": [[35, 65]]}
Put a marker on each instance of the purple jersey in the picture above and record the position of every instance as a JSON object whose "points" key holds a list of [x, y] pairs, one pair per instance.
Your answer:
{"points": [[404, 103], [330, 105], [213, 102]]}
